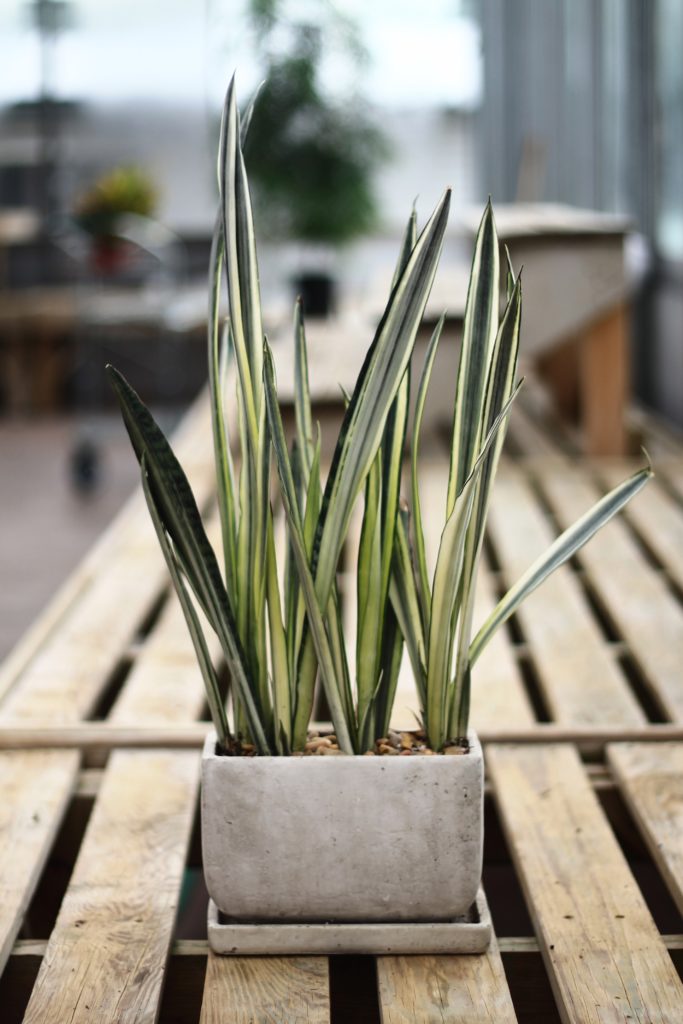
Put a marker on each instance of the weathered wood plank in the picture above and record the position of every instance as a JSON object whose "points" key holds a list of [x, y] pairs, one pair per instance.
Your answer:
{"points": [[127, 533], [655, 515], [498, 691], [448, 989], [103, 736], [605, 957], [635, 596], [35, 787], [68, 675], [527, 436], [578, 675], [260, 990], [57, 673], [651, 778], [672, 469], [165, 684], [106, 956], [604, 381]]}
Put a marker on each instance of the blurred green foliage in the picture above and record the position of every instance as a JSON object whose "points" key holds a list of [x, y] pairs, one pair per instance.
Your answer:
{"points": [[310, 157]]}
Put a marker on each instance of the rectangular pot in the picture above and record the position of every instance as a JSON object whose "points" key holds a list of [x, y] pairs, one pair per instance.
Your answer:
{"points": [[297, 839]]}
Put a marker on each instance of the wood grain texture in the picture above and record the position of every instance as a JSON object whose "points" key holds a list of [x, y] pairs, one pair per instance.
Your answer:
{"points": [[498, 691], [444, 989], [164, 685], [59, 669], [106, 956], [636, 598], [65, 679], [672, 469], [650, 777], [604, 381], [260, 990], [130, 540], [605, 957], [656, 516], [35, 787], [578, 676]]}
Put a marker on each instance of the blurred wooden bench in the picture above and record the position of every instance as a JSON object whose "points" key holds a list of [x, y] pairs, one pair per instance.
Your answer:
{"points": [[575, 328], [102, 717]]}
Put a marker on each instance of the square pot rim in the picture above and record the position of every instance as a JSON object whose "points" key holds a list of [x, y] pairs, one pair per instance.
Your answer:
{"points": [[475, 752]]}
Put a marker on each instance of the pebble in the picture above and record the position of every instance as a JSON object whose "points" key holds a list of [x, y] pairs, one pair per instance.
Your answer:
{"points": [[321, 741], [453, 750]]}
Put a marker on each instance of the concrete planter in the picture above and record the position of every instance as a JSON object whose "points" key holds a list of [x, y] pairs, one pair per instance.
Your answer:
{"points": [[342, 839]]}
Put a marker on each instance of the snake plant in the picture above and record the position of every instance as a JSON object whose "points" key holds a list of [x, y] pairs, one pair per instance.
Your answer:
{"points": [[278, 616]]}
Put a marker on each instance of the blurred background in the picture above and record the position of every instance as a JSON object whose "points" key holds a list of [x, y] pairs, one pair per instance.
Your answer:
{"points": [[569, 113]]}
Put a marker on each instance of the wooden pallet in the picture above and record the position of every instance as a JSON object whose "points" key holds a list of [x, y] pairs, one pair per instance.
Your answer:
{"points": [[102, 905]]}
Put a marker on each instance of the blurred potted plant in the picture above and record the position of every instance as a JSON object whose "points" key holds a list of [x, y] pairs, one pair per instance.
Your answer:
{"points": [[99, 211], [304, 147], [300, 829]]}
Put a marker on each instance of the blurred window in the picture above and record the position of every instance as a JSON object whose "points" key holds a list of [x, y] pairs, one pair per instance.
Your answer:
{"points": [[669, 36]]}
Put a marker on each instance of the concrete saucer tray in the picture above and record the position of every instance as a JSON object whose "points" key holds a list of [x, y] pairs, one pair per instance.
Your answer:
{"points": [[344, 854], [470, 933]]}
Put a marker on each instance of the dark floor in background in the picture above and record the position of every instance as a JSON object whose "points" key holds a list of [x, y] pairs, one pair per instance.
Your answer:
{"points": [[47, 523]]}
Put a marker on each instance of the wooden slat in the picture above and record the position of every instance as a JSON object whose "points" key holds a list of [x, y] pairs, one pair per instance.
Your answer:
{"points": [[165, 685], [578, 675], [498, 692], [606, 959], [447, 989], [35, 787], [129, 529], [260, 990], [637, 599], [103, 736], [655, 515], [60, 668], [68, 675], [651, 779], [140, 826], [672, 470], [106, 956], [604, 378], [528, 438]]}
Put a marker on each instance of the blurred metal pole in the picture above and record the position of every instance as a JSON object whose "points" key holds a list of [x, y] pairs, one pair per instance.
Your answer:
{"points": [[50, 17]]}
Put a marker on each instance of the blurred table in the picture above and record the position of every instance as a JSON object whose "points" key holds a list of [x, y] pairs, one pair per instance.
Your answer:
{"points": [[575, 312], [40, 327], [574, 317], [34, 326]]}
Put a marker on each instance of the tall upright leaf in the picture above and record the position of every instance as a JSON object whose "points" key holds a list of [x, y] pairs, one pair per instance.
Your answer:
{"points": [[314, 610], [178, 510], [363, 425], [221, 444], [479, 331], [499, 387], [213, 694]]}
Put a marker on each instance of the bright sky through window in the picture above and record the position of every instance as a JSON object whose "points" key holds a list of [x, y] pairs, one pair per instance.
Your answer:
{"points": [[181, 51]]}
